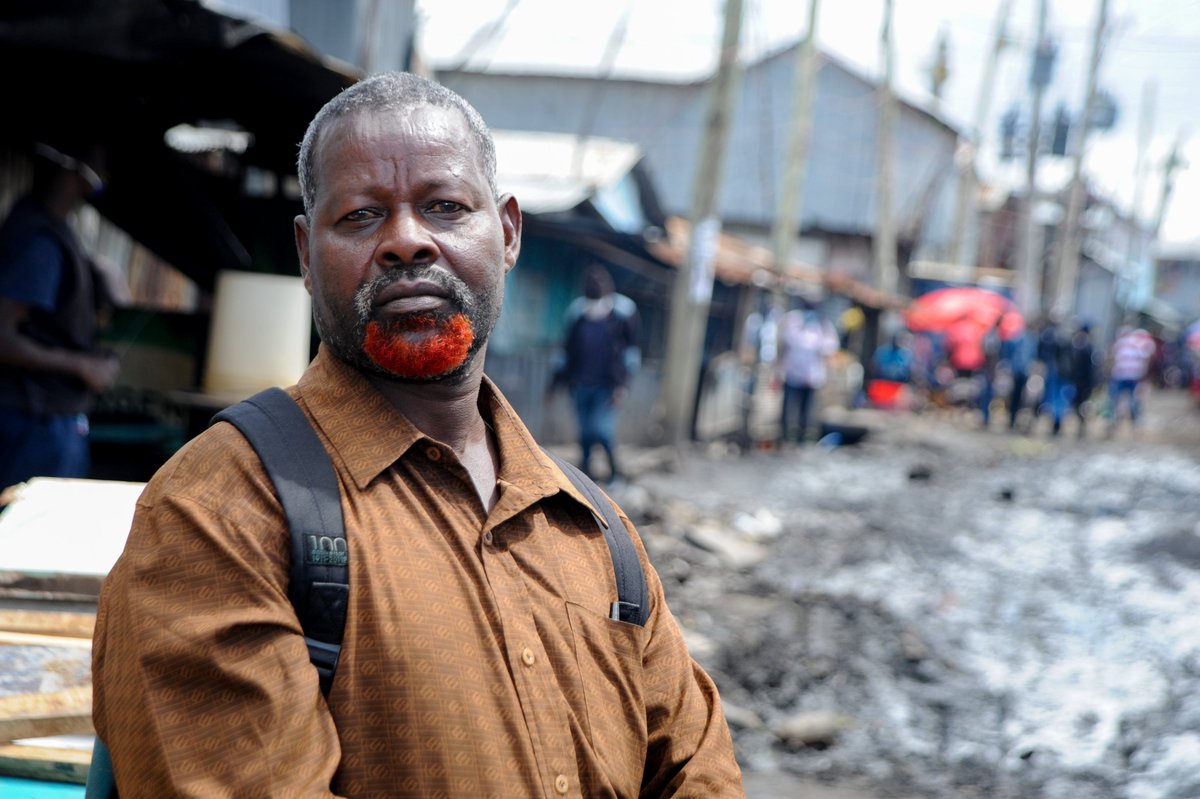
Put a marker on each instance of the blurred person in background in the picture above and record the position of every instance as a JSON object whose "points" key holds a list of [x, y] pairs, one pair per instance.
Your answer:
{"points": [[992, 358], [1018, 353], [600, 355], [894, 360], [1083, 373], [1132, 351], [893, 365], [1054, 354], [806, 341], [52, 299]]}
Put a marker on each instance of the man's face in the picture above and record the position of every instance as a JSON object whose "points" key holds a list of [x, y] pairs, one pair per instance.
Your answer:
{"points": [[406, 249]]}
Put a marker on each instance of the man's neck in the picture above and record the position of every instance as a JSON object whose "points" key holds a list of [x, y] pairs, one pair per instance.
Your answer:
{"points": [[598, 308], [447, 412]]}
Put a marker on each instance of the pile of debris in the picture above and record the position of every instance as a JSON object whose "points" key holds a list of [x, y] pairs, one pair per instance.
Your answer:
{"points": [[58, 540], [945, 613], [45, 692]]}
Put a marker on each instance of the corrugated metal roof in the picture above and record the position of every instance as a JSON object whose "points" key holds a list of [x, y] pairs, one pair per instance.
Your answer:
{"points": [[667, 121], [126, 71], [553, 172], [738, 262]]}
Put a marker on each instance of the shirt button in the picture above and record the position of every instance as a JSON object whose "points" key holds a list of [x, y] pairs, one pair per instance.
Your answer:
{"points": [[528, 657], [487, 537], [434, 454], [560, 783]]}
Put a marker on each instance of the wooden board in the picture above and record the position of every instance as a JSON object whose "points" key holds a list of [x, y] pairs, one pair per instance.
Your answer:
{"points": [[59, 537], [32, 639], [48, 622], [39, 715], [45, 763], [43, 647]]}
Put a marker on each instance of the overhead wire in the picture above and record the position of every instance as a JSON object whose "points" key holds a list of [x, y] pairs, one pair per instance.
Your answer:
{"points": [[608, 59], [484, 36]]}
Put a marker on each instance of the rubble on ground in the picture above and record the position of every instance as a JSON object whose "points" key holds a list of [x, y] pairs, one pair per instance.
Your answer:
{"points": [[946, 612]]}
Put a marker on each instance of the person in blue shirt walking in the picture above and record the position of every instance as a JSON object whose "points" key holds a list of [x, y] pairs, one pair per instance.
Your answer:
{"points": [[600, 354]]}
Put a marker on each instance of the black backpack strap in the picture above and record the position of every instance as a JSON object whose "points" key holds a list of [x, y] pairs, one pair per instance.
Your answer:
{"points": [[307, 488], [632, 604]]}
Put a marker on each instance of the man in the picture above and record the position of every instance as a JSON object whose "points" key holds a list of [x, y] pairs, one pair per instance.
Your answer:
{"points": [[478, 657], [893, 361], [806, 341], [1132, 351], [1018, 352], [1054, 354], [991, 345], [50, 295], [600, 350], [1083, 373]]}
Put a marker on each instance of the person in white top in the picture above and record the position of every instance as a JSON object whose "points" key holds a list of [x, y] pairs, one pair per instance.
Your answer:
{"points": [[806, 341], [1131, 354]]}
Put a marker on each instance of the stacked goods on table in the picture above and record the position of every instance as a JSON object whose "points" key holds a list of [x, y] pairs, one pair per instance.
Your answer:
{"points": [[58, 540]]}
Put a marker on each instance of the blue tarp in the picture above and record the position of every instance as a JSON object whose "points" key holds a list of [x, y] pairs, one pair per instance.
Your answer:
{"points": [[12, 788]]}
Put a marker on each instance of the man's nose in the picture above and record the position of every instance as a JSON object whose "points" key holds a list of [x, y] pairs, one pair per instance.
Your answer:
{"points": [[405, 240]]}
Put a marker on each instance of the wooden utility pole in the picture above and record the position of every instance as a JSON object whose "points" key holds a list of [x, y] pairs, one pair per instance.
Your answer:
{"points": [[886, 277], [983, 103], [1029, 267], [1135, 247], [791, 196], [692, 292], [1070, 240], [1145, 133], [1172, 165]]}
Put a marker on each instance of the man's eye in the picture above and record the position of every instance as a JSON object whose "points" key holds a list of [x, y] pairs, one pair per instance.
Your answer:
{"points": [[445, 207], [359, 215]]}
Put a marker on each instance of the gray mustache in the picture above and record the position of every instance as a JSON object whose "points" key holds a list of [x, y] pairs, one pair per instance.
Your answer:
{"points": [[364, 298]]}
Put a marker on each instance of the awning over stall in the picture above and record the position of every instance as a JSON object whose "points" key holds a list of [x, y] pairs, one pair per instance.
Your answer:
{"points": [[124, 72]]}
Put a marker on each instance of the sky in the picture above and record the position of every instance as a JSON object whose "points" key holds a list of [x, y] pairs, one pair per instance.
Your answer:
{"points": [[1150, 65]]}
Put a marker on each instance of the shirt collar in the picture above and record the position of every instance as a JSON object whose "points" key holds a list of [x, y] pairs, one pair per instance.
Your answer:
{"points": [[369, 434], [525, 469], [366, 432]]}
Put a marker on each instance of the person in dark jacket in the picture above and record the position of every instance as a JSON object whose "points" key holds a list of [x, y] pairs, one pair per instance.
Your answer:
{"points": [[1083, 373], [599, 354], [1019, 353], [1054, 353], [51, 366]]}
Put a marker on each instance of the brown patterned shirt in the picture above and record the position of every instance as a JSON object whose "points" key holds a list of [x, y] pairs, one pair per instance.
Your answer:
{"points": [[478, 660]]}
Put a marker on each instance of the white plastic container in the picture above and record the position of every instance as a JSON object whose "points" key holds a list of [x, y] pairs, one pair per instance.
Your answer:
{"points": [[260, 333]]}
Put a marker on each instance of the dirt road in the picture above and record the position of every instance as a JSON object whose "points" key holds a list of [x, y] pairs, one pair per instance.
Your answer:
{"points": [[968, 613]]}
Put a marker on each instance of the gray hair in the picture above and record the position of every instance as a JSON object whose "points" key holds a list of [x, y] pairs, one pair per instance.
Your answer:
{"points": [[395, 92]]}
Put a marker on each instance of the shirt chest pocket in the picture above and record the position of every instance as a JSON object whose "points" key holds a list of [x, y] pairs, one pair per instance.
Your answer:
{"points": [[609, 657]]}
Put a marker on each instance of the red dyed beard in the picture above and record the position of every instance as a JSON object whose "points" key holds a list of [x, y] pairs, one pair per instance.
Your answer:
{"points": [[421, 347]]}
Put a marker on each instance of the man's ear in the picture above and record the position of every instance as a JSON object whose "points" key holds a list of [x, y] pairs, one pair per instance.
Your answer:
{"points": [[300, 226], [510, 223]]}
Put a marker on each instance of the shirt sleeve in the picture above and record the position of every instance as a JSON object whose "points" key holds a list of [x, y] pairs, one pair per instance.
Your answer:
{"points": [[33, 274], [203, 687], [689, 751]]}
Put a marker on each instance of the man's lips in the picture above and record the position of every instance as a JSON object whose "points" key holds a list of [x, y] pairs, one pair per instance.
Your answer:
{"points": [[412, 296]]}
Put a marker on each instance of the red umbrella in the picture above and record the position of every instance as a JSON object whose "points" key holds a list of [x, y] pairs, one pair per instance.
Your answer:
{"points": [[941, 309]]}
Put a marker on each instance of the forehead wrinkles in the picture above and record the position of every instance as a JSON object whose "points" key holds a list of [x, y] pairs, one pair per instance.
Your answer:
{"points": [[390, 145]]}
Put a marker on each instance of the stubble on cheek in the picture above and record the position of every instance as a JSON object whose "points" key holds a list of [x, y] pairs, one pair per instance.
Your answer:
{"points": [[422, 347]]}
